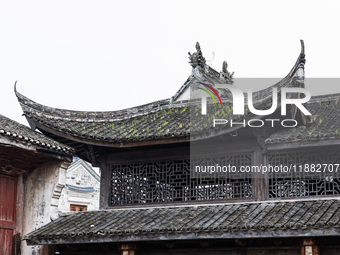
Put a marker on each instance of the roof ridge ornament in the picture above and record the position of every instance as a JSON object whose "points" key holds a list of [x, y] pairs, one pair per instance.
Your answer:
{"points": [[227, 75], [197, 59]]}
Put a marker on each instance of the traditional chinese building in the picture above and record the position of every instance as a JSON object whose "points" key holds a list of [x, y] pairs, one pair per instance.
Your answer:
{"points": [[32, 176], [152, 201]]}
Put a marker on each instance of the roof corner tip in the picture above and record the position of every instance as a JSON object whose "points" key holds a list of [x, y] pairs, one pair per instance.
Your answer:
{"points": [[302, 46], [15, 87], [302, 58], [17, 94]]}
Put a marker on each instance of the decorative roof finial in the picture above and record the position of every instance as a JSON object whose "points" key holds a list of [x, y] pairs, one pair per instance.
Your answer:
{"points": [[225, 72], [197, 59]]}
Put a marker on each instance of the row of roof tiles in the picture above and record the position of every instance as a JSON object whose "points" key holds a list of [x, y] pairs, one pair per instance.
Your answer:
{"points": [[323, 123], [21, 133], [260, 216]]}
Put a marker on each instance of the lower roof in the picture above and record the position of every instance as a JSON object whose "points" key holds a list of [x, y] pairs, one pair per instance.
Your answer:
{"points": [[244, 220], [20, 133]]}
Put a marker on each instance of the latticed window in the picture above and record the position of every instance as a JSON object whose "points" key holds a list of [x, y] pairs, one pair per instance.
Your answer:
{"points": [[171, 181], [311, 173]]}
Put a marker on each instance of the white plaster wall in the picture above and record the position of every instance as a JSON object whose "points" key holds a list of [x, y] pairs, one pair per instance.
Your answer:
{"points": [[42, 189]]}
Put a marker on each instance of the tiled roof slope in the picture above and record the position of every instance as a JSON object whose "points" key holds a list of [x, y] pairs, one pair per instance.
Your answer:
{"points": [[23, 134], [158, 120], [155, 121], [323, 123], [263, 219]]}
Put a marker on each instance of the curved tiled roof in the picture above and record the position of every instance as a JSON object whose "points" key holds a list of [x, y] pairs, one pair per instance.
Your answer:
{"points": [[262, 219], [323, 123], [23, 134], [158, 120]]}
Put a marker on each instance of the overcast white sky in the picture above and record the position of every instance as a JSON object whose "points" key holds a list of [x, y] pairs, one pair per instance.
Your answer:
{"points": [[111, 55]]}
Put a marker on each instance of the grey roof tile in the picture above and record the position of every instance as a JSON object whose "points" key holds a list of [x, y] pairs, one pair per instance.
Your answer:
{"points": [[323, 123], [23, 134], [207, 219]]}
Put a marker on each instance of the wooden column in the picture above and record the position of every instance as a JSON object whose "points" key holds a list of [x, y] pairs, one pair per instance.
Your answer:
{"points": [[309, 247], [127, 249], [260, 179]]}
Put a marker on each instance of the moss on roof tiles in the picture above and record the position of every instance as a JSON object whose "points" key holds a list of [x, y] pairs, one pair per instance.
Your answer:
{"points": [[324, 123]]}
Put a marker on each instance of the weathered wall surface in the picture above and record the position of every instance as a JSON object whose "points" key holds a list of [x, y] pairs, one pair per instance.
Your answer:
{"points": [[42, 189]]}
